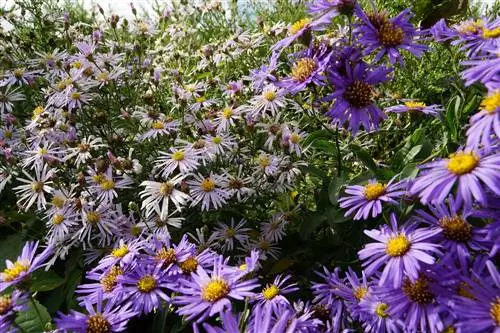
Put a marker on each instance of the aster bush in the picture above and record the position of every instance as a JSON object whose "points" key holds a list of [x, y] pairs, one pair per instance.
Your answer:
{"points": [[300, 166]]}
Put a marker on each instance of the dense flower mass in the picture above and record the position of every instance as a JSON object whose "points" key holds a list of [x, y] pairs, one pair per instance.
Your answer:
{"points": [[319, 166]]}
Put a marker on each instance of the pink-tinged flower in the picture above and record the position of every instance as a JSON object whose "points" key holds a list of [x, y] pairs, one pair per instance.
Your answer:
{"points": [[399, 251], [472, 171], [17, 272], [11, 305], [204, 295], [369, 198]]}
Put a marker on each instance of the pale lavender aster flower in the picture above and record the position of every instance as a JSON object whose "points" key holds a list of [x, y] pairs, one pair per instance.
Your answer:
{"points": [[35, 188], [416, 107], [485, 124], [229, 233], [208, 191], [185, 160]]}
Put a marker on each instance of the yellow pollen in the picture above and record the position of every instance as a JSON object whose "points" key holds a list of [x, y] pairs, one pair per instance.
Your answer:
{"points": [[217, 140], [102, 76], [99, 178], [178, 155], [107, 184], [37, 111], [415, 105], [360, 292], [227, 113], [230, 232], [269, 95], [75, 95], [303, 68], [98, 324], [58, 219], [264, 161], [295, 138], [215, 290], [7, 134], [270, 292], [93, 217], [390, 35], [37, 186], [461, 163], [373, 191], [189, 265], [200, 99], [456, 228], [207, 184], [83, 147], [243, 267], [167, 256], [15, 271], [108, 282], [299, 25], [495, 311], [166, 189], [491, 103], [5, 304], [58, 202], [491, 33], [64, 83], [449, 329], [470, 26], [381, 309], [77, 64], [18, 73], [146, 283], [157, 125], [418, 292], [464, 290], [43, 151], [398, 246], [120, 252]]}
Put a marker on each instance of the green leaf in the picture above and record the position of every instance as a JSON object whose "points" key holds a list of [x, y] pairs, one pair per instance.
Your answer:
{"points": [[324, 145], [35, 319], [334, 189], [410, 171], [45, 281], [316, 135], [281, 265], [310, 223], [364, 157], [412, 154], [10, 248]]}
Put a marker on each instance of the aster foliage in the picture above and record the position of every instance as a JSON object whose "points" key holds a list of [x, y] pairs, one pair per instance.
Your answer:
{"points": [[306, 166]]}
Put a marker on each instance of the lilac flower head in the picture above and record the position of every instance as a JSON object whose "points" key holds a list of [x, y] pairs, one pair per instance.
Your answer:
{"points": [[330, 8], [485, 124], [273, 294], [10, 305], [416, 107]]}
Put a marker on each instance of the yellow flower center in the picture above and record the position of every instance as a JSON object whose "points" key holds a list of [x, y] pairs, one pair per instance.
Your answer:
{"points": [[167, 256], [57, 219], [102, 76], [373, 191], [5, 304], [58, 202], [98, 324], [217, 140], [201, 99], [146, 283], [43, 151], [299, 25], [227, 113], [491, 103], [37, 186], [77, 64], [415, 105], [270, 292], [464, 290], [107, 184], [99, 178], [390, 35], [456, 228], [495, 311], [166, 189], [189, 265], [264, 161], [303, 68], [120, 252], [143, 27], [207, 184], [157, 125], [264, 245], [360, 292], [178, 155], [215, 290], [243, 267], [15, 271], [230, 232], [449, 329], [381, 309], [359, 94], [491, 33], [470, 26], [75, 95], [398, 246], [37, 111], [461, 163], [418, 292], [295, 138], [18, 73], [93, 217], [269, 95], [108, 282]]}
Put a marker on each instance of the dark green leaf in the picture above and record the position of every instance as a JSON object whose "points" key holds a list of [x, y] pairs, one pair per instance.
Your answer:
{"points": [[35, 319], [10, 248], [45, 281], [364, 157]]}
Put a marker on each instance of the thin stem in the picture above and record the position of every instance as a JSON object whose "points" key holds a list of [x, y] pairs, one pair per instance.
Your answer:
{"points": [[339, 157]]}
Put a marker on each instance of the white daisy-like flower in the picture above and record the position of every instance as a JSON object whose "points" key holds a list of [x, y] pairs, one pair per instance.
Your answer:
{"points": [[229, 233], [156, 225], [274, 230], [82, 151], [268, 103], [157, 195], [105, 184], [226, 118], [202, 242], [185, 160], [208, 191], [219, 144], [291, 139], [40, 154], [35, 188], [265, 247], [268, 164], [60, 224], [98, 223], [159, 128], [238, 185]]}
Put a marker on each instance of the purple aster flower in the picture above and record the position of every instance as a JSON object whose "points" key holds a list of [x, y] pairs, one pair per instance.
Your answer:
{"points": [[375, 316], [416, 107], [263, 76], [417, 304], [479, 310], [478, 36], [368, 199], [482, 69], [472, 171], [273, 294], [308, 68], [104, 318], [353, 291], [456, 235], [441, 32], [204, 295], [486, 123], [101, 284], [234, 88], [169, 256], [399, 251], [389, 36], [28, 262], [145, 287], [354, 96], [329, 9], [10, 305], [263, 319], [123, 254], [229, 323]]}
